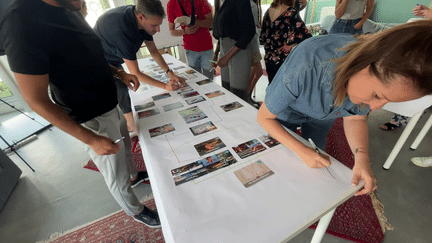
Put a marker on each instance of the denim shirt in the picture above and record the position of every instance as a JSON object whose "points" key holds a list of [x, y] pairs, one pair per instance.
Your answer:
{"points": [[303, 86]]}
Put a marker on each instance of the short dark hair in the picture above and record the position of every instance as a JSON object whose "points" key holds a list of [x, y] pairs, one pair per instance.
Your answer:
{"points": [[149, 8]]}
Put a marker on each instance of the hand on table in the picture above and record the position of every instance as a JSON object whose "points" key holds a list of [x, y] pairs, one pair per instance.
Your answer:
{"points": [[364, 171], [171, 87], [314, 160], [103, 145], [177, 81]]}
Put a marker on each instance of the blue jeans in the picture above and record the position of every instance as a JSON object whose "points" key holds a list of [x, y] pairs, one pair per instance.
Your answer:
{"points": [[345, 26], [200, 61]]}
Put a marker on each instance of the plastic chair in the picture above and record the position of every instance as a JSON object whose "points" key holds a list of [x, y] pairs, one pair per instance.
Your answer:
{"points": [[413, 109]]}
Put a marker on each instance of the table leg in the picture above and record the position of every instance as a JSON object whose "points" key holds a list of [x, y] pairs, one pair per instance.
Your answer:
{"points": [[400, 142], [422, 133], [322, 227]]}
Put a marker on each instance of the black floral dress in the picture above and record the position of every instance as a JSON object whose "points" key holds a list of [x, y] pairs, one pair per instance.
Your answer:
{"points": [[280, 36]]}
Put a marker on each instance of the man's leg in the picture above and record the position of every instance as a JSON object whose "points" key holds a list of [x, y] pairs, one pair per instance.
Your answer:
{"points": [[125, 104], [224, 48], [239, 70], [206, 66]]}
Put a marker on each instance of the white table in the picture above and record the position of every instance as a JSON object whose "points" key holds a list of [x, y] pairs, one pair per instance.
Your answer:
{"points": [[217, 207]]}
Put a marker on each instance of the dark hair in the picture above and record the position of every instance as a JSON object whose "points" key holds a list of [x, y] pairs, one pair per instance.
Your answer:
{"points": [[276, 3], [401, 51], [149, 8]]}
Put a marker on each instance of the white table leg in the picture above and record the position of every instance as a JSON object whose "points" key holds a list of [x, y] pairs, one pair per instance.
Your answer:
{"points": [[400, 142], [322, 227], [422, 133]]}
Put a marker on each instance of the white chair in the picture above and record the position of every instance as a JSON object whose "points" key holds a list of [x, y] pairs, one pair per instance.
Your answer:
{"points": [[413, 109]]}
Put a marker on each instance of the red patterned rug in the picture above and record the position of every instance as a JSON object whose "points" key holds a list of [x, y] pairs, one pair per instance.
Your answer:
{"points": [[117, 227], [356, 219], [136, 156]]}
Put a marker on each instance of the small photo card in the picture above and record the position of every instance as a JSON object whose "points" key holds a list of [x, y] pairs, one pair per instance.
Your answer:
{"points": [[144, 106], [180, 67], [189, 94], [209, 146], [202, 167], [205, 81], [249, 148], [192, 114], [172, 106], [194, 100], [253, 173], [161, 96], [154, 132], [203, 128], [269, 140], [148, 113], [214, 94], [231, 106]]}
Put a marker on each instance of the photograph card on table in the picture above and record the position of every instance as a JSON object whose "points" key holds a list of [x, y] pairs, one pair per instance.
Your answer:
{"points": [[203, 128], [209, 146], [194, 100], [231, 106], [144, 106], [202, 167], [178, 68], [148, 113], [161, 96], [249, 148], [192, 114], [189, 94], [154, 132], [253, 173], [214, 94], [269, 140], [205, 81], [172, 106], [184, 89]]}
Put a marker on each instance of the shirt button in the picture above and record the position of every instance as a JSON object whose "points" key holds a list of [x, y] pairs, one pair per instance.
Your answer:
{"points": [[338, 113]]}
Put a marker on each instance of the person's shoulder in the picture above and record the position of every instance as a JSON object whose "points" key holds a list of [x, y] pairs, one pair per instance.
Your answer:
{"points": [[325, 45]]}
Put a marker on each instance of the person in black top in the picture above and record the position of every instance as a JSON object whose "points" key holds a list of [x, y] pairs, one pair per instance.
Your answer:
{"points": [[234, 27], [48, 43], [122, 31]]}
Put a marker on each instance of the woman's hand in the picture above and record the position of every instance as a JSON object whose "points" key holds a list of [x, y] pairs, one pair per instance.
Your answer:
{"points": [[223, 61], [312, 159], [363, 170], [358, 26]]}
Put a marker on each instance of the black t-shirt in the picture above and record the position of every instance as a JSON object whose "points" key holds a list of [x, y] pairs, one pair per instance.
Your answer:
{"points": [[44, 39], [119, 33]]}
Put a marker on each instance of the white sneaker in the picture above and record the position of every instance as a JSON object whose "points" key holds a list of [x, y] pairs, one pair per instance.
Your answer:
{"points": [[422, 161]]}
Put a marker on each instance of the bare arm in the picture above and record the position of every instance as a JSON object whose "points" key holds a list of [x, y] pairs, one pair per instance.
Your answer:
{"points": [[340, 7], [356, 132], [34, 89], [154, 52], [206, 23], [175, 32], [369, 7], [308, 156]]}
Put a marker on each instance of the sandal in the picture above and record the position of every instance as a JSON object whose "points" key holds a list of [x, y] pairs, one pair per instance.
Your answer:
{"points": [[388, 126]]}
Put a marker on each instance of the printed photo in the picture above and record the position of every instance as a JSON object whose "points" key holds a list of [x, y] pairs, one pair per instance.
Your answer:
{"points": [[249, 148], [184, 89], [209, 146], [214, 94], [192, 114], [195, 100], [203, 128], [161, 96], [205, 81], [144, 106], [231, 106], [202, 167], [154, 132], [172, 106], [189, 94], [253, 173], [269, 140], [148, 113], [180, 67]]}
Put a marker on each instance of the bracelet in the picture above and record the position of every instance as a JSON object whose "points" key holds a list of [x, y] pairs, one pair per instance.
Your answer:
{"points": [[361, 150], [169, 70]]}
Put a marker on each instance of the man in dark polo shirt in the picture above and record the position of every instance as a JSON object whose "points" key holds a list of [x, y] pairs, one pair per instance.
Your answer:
{"points": [[48, 43], [122, 31]]}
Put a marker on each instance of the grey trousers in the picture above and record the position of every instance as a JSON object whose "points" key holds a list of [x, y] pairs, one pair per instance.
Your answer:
{"points": [[117, 169], [236, 73]]}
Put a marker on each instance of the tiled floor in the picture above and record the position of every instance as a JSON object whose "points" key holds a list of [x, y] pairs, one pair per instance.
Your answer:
{"points": [[62, 195]]}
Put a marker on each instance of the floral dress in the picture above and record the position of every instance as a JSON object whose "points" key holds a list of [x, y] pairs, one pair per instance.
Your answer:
{"points": [[281, 35]]}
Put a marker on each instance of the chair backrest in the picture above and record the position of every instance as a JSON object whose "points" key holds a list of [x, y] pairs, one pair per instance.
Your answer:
{"points": [[409, 108]]}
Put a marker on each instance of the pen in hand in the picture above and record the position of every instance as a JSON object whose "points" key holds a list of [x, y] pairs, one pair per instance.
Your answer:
{"points": [[319, 152]]}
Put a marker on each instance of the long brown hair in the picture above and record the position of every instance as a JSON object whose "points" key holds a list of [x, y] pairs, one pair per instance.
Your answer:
{"points": [[401, 51]]}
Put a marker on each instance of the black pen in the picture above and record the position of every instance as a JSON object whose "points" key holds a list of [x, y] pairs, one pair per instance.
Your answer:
{"points": [[319, 152]]}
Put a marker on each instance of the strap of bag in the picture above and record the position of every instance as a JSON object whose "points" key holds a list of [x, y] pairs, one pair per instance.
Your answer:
{"points": [[192, 14]]}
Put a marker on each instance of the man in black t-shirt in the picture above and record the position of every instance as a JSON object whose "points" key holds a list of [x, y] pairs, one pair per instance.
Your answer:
{"points": [[48, 43], [122, 31]]}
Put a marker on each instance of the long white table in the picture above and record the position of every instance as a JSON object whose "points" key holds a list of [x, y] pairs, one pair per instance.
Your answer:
{"points": [[217, 207]]}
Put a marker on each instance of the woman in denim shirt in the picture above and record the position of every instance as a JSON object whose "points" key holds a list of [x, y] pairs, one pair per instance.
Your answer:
{"points": [[351, 15], [333, 76]]}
